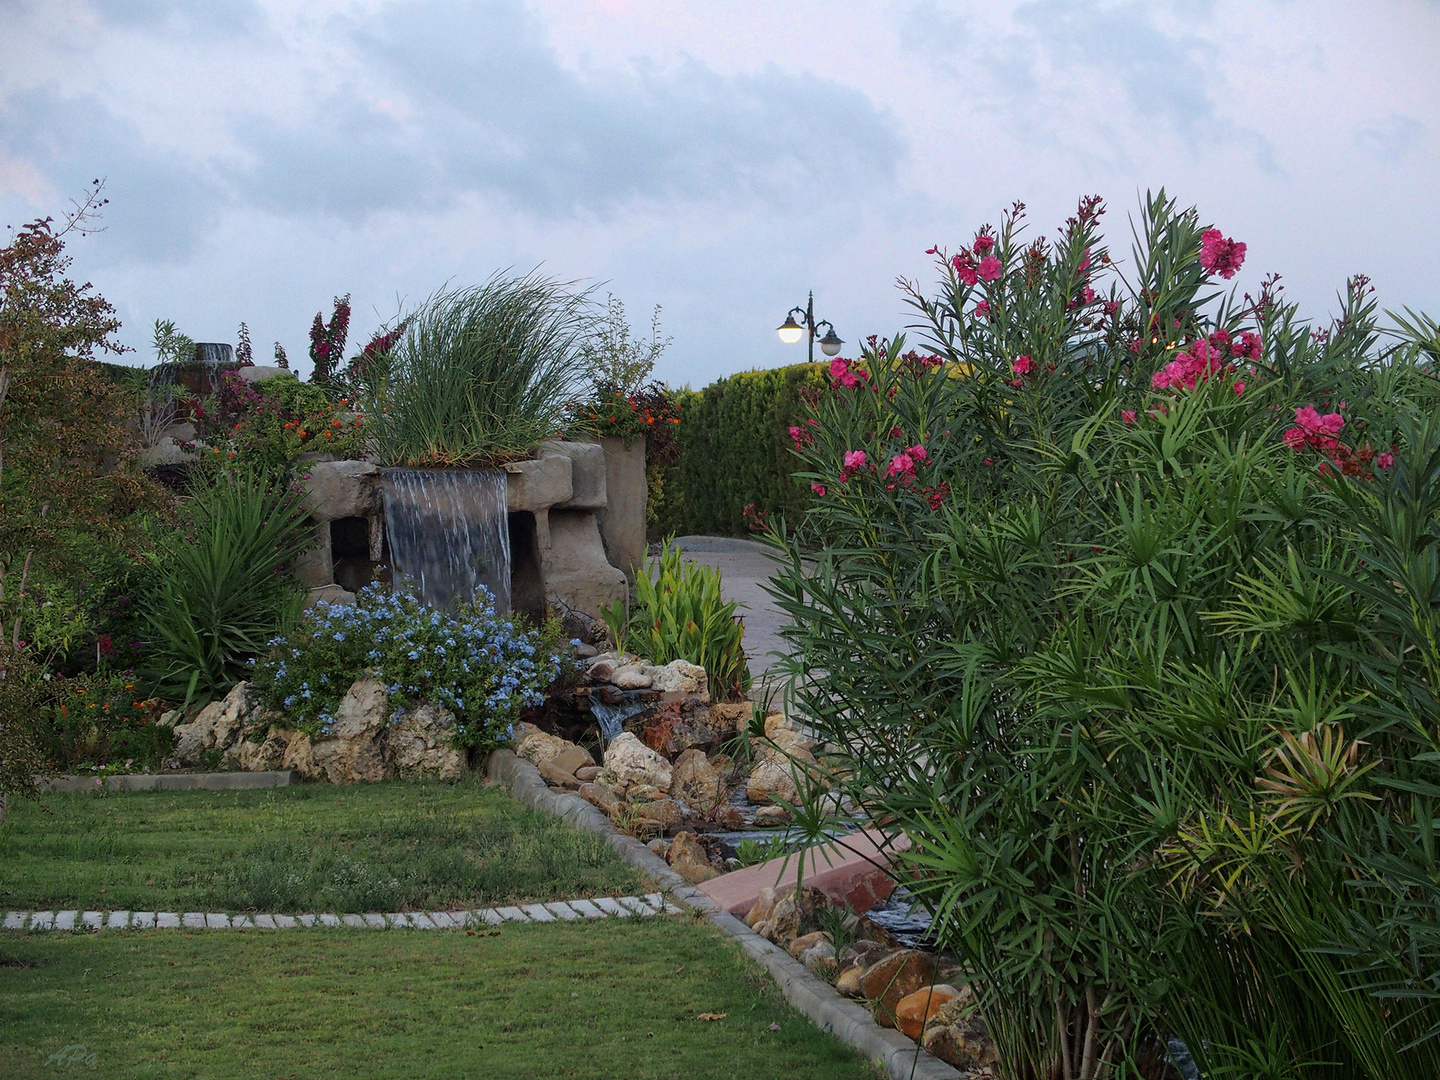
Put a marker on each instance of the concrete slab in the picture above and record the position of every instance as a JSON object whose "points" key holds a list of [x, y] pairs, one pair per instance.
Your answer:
{"points": [[284, 922], [118, 920], [142, 920], [166, 920], [265, 922], [585, 909], [42, 920], [611, 907], [513, 914], [562, 911], [231, 781], [241, 922], [15, 920], [216, 920], [849, 871], [65, 920], [538, 913], [355, 922], [445, 920], [307, 920], [638, 906], [375, 920], [193, 920], [396, 918], [329, 920], [421, 921], [92, 920]]}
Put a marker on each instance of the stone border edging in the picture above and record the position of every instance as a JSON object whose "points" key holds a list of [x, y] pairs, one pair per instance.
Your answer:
{"points": [[221, 781], [829, 1010]]}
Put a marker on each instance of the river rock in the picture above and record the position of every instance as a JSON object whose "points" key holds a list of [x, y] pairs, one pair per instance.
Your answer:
{"points": [[536, 746], [354, 750], [788, 916], [957, 1034], [797, 947], [819, 960], [631, 678], [586, 773], [893, 978], [217, 727], [555, 776], [914, 1010], [688, 858], [422, 745], [681, 677], [696, 781], [767, 817], [633, 762]]}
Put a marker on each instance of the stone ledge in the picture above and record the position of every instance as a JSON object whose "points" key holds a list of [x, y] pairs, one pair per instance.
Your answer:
{"points": [[827, 1009], [222, 781]]}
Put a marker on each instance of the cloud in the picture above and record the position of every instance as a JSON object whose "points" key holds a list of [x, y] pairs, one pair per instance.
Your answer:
{"points": [[1392, 139]]}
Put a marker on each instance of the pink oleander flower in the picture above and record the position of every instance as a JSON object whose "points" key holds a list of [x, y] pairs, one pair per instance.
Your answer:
{"points": [[1220, 254], [917, 452], [936, 495], [841, 373], [900, 465], [855, 460], [1022, 365], [818, 489], [1084, 261], [1112, 306], [1128, 415], [1135, 346], [1384, 461], [1196, 364], [1239, 387], [965, 269], [1249, 346], [1313, 430], [982, 309], [800, 436], [989, 268], [1088, 296], [983, 244]]}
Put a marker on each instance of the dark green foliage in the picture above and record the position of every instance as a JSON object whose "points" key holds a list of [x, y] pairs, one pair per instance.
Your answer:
{"points": [[736, 451]]}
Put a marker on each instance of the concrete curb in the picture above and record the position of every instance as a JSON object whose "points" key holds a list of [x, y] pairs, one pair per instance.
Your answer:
{"points": [[224, 781], [828, 1010]]}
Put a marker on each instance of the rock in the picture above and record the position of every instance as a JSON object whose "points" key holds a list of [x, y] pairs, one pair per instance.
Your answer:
{"points": [[819, 960], [790, 916], [422, 745], [300, 755], [572, 759], [688, 858], [730, 818], [797, 947], [217, 727], [635, 763], [343, 489], [538, 484], [673, 727], [914, 1010], [728, 717], [254, 373], [333, 595], [894, 977], [601, 668], [957, 1035], [354, 750], [315, 566], [584, 652], [586, 773], [536, 746], [265, 754], [601, 795], [762, 909], [630, 678], [863, 953], [696, 781], [555, 776], [641, 793], [848, 983], [659, 846], [579, 582], [772, 781], [660, 814], [165, 453], [776, 722], [681, 677], [767, 817], [587, 473]]}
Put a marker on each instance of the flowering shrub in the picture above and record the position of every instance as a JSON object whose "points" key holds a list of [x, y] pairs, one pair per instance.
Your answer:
{"points": [[477, 664], [270, 423], [1126, 602], [651, 412], [327, 340]]}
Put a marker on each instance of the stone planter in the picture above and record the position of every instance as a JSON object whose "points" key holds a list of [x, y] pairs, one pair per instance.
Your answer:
{"points": [[622, 521]]}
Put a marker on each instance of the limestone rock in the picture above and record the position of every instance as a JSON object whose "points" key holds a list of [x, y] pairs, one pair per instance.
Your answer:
{"points": [[762, 909], [797, 947], [630, 678], [681, 677], [729, 717], [658, 814], [587, 473], [422, 745], [587, 773], [893, 978], [635, 763], [775, 722], [679, 725], [300, 755], [342, 489], [819, 960], [218, 726], [556, 776], [254, 373], [957, 1035], [333, 595], [696, 781], [355, 750], [767, 817], [688, 858], [265, 754], [538, 484], [914, 1010], [600, 795], [790, 915], [772, 781], [642, 793], [536, 746]]}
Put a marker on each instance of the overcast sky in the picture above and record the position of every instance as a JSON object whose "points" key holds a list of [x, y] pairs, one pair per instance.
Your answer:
{"points": [[717, 158]]}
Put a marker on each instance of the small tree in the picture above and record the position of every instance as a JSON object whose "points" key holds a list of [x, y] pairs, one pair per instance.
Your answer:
{"points": [[618, 361]]}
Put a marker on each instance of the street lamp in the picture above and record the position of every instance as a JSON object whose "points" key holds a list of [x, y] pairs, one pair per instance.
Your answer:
{"points": [[790, 330]]}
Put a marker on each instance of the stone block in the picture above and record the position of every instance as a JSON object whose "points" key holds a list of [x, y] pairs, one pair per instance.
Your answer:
{"points": [[316, 567], [342, 489], [333, 595], [848, 872], [577, 575], [587, 473], [622, 522], [538, 484]]}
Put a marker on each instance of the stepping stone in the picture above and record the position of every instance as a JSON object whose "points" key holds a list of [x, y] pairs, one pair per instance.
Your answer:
{"points": [[421, 921], [93, 920], [513, 914], [118, 920], [242, 922], [142, 920], [284, 922], [538, 913], [638, 906], [216, 921], [398, 919], [585, 909], [329, 920], [15, 920], [42, 920], [561, 910], [489, 916], [193, 920], [352, 920], [166, 920], [659, 903], [375, 920], [265, 922], [65, 920], [443, 920], [306, 920], [611, 907]]}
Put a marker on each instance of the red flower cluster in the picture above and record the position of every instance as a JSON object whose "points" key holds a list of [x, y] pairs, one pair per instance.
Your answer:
{"points": [[844, 375], [1219, 254], [1207, 357], [1316, 431]]}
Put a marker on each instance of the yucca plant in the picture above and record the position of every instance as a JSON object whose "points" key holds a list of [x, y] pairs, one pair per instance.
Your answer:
{"points": [[482, 375], [219, 594], [678, 612]]}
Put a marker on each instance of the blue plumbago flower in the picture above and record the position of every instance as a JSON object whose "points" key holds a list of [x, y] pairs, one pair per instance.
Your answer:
{"points": [[339, 637]]}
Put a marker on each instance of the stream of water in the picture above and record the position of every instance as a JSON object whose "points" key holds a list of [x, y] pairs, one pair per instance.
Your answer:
{"points": [[449, 533]]}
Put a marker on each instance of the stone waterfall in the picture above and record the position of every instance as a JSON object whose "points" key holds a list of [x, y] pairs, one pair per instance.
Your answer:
{"points": [[449, 533]]}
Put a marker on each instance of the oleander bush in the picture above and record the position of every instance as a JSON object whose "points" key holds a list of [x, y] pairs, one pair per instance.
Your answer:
{"points": [[1126, 595], [481, 666]]}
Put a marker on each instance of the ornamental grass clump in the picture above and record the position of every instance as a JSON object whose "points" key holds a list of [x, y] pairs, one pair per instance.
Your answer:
{"points": [[482, 375], [477, 664], [1126, 595]]}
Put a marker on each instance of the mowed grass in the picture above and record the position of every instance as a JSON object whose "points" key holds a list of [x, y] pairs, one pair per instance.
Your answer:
{"points": [[602, 1000], [377, 847]]}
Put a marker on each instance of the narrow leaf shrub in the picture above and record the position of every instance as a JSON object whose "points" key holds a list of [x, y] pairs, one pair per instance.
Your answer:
{"points": [[677, 612], [480, 666], [1126, 592]]}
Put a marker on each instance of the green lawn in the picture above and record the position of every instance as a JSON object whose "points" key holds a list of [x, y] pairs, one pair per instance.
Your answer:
{"points": [[378, 847], [603, 1000]]}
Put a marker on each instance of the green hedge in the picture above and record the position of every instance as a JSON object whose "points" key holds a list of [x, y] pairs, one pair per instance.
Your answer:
{"points": [[735, 450]]}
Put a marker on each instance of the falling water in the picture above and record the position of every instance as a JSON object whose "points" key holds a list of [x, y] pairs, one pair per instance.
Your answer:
{"points": [[449, 533], [611, 718]]}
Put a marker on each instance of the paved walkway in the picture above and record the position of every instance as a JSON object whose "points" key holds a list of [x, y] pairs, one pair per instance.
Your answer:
{"points": [[745, 567], [604, 907]]}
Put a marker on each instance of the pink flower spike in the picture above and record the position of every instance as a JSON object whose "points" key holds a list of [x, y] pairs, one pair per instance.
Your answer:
{"points": [[1128, 415], [917, 452], [989, 268], [1239, 388]]}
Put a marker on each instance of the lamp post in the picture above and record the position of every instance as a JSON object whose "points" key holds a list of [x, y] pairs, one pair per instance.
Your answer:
{"points": [[790, 330]]}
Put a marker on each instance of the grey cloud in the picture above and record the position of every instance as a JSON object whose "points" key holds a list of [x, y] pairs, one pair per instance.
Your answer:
{"points": [[209, 19], [1392, 139]]}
